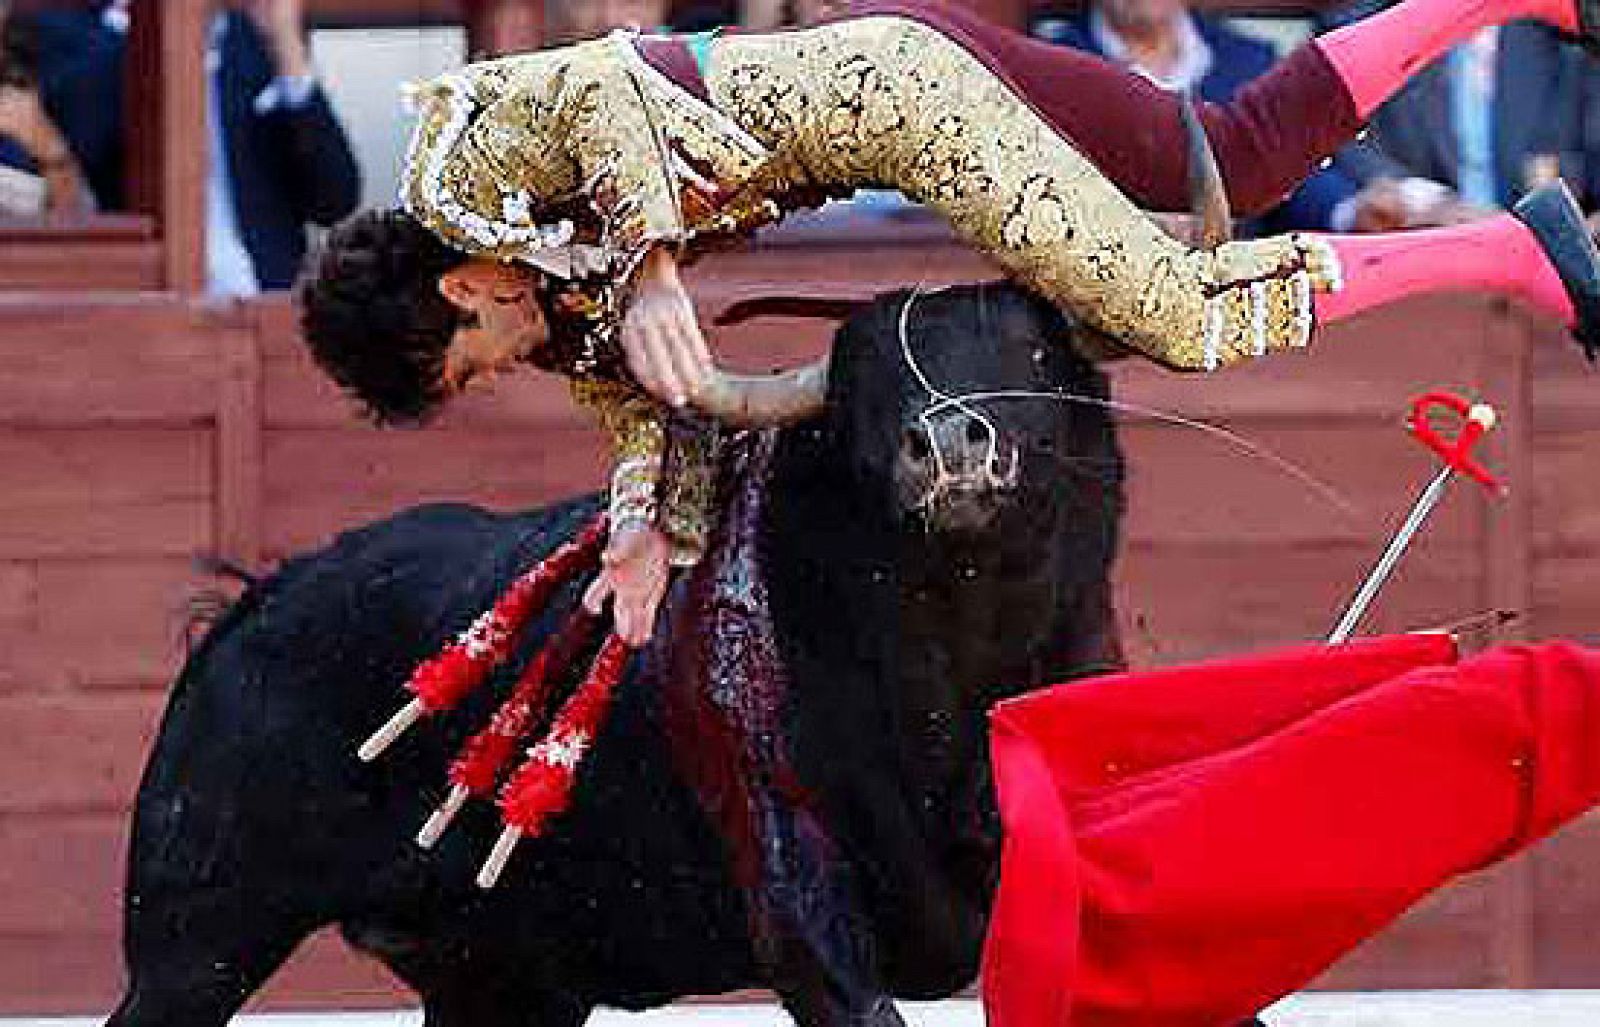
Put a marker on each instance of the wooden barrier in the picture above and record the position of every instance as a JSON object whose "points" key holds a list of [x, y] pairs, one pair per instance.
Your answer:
{"points": [[139, 431]]}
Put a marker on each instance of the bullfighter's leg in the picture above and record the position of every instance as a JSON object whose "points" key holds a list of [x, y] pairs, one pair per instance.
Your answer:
{"points": [[1371, 799], [1269, 137], [920, 113]]}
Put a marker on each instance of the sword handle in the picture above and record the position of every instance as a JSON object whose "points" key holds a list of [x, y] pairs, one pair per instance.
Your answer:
{"points": [[1456, 452]]}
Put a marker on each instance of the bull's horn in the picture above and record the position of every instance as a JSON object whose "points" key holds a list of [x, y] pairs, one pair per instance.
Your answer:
{"points": [[759, 401], [1208, 196]]}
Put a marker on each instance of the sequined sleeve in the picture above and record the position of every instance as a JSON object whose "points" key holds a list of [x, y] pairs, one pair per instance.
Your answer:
{"points": [[638, 441], [648, 486], [481, 165]]}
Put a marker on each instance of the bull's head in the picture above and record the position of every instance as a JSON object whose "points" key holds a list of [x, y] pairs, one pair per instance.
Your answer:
{"points": [[749, 401]]}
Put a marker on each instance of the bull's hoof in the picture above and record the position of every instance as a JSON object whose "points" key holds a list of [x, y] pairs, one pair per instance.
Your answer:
{"points": [[1553, 216]]}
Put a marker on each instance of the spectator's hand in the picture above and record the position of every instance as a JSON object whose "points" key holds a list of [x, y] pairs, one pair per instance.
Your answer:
{"points": [[661, 335], [633, 576], [23, 118], [282, 24], [1452, 211], [1381, 207]]}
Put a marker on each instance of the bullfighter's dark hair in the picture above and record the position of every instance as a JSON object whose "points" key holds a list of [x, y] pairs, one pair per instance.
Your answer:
{"points": [[371, 311]]}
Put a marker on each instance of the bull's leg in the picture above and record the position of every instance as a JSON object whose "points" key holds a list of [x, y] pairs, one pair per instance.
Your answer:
{"points": [[216, 900], [817, 995], [194, 959], [490, 998], [818, 1008]]}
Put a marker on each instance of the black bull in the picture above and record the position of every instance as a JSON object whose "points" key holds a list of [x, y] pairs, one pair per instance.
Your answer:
{"points": [[906, 600]]}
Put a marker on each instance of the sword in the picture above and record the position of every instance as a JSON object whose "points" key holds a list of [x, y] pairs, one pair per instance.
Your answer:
{"points": [[1456, 453]]}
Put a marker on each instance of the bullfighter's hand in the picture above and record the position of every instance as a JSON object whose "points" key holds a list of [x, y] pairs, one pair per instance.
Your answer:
{"points": [[661, 335], [633, 576]]}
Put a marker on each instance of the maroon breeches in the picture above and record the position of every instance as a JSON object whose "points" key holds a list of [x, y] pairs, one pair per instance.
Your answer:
{"points": [[1267, 139]]}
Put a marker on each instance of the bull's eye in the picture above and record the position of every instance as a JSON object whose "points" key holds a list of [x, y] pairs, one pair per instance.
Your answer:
{"points": [[976, 432]]}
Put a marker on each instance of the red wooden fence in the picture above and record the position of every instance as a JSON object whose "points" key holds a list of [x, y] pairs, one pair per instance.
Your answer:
{"points": [[139, 431]]}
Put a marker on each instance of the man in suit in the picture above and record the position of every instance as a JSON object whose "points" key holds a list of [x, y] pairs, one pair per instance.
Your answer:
{"points": [[1185, 52], [1497, 116], [279, 160]]}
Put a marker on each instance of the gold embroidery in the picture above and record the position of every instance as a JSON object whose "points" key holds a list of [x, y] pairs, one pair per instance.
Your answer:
{"points": [[889, 102], [676, 491], [501, 143]]}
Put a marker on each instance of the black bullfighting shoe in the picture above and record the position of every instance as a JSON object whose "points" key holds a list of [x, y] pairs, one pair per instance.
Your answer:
{"points": [[1553, 216], [1588, 35]]}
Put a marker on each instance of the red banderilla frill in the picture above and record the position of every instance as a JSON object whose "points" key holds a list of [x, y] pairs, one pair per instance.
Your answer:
{"points": [[477, 769], [542, 786], [441, 683]]}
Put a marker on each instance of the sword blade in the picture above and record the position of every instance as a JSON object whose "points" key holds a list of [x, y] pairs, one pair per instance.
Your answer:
{"points": [[1391, 556]]}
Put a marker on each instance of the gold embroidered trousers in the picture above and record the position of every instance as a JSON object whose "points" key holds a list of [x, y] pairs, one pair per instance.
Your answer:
{"points": [[891, 102]]}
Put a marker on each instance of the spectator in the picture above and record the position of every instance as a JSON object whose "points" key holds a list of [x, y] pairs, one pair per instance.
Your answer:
{"points": [[1475, 130], [1184, 52], [41, 174], [586, 19], [278, 159]]}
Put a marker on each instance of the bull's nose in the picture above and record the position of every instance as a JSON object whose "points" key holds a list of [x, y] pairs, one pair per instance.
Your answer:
{"points": [[955, 472]]}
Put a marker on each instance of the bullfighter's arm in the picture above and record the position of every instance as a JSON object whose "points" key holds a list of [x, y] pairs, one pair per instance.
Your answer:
{"points": [[680, 506]]}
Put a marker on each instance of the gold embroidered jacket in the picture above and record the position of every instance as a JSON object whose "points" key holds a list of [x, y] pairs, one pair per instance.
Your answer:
{"points": [[506, 147], [594, 130]]}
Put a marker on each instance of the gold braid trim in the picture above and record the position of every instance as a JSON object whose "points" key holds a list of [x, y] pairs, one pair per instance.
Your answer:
{"points": [[638, 442], [669, 483]]}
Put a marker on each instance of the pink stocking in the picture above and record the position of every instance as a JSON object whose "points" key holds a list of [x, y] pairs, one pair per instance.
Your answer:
{"points": [[1375, 56], [1497, 254]]}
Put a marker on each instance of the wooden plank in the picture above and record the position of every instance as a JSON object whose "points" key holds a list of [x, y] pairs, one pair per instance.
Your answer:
{"points": [[1442, 943], [240, 426], [85, 493], [323, 481], [1373, 469], [104, 360], [72, 754], [167, 131], [325, 973], [71, 266], [1567, 906], [78, 973], [1565, 604], [112, 622], [1506, 583], [1259, 594]]}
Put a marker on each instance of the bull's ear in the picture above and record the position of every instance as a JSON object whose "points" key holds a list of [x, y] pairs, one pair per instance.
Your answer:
{"points": [[1208, 196]]}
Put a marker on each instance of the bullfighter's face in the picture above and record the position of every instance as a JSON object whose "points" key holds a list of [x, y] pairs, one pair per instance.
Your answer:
{"points": [[503, 321]]}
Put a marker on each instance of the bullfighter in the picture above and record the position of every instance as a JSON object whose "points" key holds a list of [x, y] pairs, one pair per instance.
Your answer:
{"points": [[550, 198]]}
